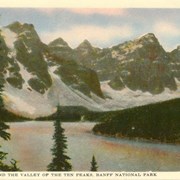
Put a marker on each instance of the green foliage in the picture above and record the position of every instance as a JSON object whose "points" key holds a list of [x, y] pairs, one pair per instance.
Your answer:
{"points": [[6, 167], [94, 166], [60, 161], [6, 136], [158, 121], [3, 133], [74, 114]]}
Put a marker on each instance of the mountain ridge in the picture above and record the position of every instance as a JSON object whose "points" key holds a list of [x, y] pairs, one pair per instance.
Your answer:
{"points": [[97, 79], [28, 70], [139, 64]]}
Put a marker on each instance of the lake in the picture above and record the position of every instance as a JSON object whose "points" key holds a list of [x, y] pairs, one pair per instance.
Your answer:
{"points": [[31, 142]]}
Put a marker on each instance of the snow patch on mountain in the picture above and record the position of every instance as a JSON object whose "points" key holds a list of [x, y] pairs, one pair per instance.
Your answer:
{"points": [[25, 103], [20, 104], [130, 47], [148, 36], [134, 47], [33, 104], [29, 50], [127, 98], [6, 72], [178, 85], [12, 53], [25, 75], [116, 54], [29, 103], [63, 95], [25, 33], [60, 45], [9, 37]]}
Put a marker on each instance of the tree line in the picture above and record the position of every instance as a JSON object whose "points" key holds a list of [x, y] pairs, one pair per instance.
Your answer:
{"points": [[158, 121], [60, 161], [5, 136]]}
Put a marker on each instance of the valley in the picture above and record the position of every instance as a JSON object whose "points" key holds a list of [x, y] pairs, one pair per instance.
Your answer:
{"points": [[122, 100]]}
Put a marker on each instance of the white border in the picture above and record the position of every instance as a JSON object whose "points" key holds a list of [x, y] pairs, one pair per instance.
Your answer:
{"points": [[43, 175], [91, 3]]}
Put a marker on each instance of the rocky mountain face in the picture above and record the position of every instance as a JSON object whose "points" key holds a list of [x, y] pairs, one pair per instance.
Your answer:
{"points": [[61, 49], [30, 68], [37, 77], [22, 57], [174, 64], [91, 57], [29, 55], [141, 64]]}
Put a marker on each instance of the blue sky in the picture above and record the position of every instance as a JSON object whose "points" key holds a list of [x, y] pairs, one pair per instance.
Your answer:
{"points": [[102, 27]]}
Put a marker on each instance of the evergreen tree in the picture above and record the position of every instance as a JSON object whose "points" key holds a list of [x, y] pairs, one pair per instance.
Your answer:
{"points": [[6, 136], [13, 166], [60, 161], [94, 166]]}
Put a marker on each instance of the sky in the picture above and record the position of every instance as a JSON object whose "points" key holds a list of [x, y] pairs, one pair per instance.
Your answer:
{"points": [[102, 27]]}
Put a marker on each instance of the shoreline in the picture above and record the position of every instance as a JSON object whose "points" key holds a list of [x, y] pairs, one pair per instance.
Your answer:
{"points": [[136, 139]]}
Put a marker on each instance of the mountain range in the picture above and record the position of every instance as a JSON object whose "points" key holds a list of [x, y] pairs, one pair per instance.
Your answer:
{"points": [[141, 64], [37, 77]]}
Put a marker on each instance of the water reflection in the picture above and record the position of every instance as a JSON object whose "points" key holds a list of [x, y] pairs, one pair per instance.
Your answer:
{"points": [[31, 143]]}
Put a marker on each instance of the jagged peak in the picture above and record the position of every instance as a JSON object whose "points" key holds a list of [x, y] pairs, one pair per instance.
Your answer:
{"points": [[178, 47], [85, 43], [15, 23], [18, 24], [58, 41], [148, 37], [20, 27]]}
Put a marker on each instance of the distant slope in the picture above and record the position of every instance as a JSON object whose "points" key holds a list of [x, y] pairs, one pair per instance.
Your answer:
{"points": [[160, 121]]}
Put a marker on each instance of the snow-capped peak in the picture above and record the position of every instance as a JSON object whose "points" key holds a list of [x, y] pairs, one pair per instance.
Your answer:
{"points": [[150, 37]]}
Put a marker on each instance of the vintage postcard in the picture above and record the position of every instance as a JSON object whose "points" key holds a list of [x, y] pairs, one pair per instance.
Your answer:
{"points": [[89, 91]]}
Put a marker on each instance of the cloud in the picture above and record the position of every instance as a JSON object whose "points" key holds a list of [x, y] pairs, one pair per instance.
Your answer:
{"points": [[97, 35], [47, 11], [85, 11], [168, 34], [104, 11], [166, 29]]}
